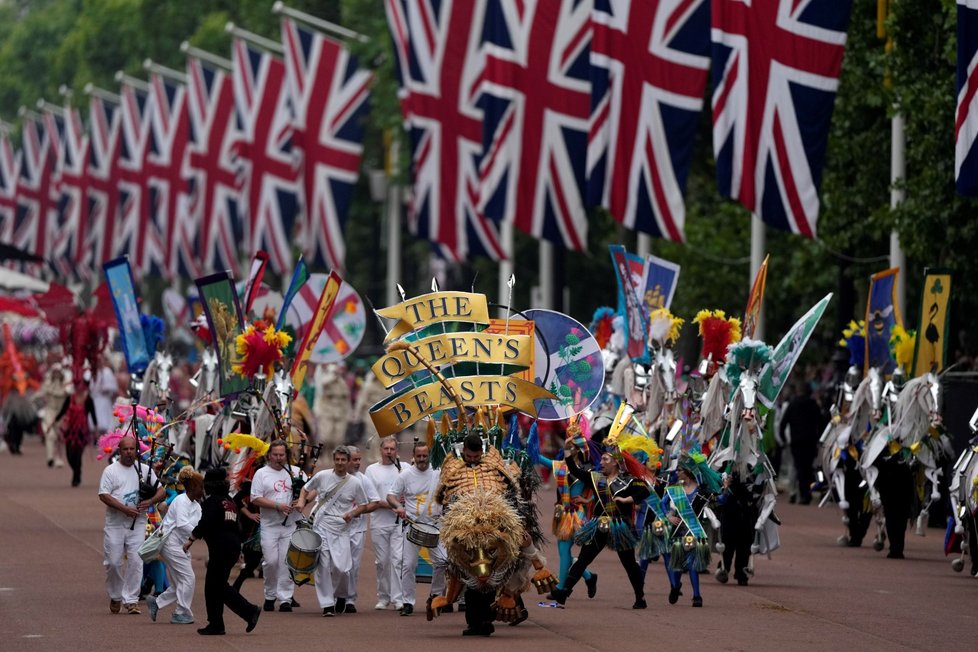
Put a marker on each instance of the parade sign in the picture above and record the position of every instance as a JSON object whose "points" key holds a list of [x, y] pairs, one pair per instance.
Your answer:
{"points": [[220, 301], [450, 348], [930, 349], [786, 354], [435, 308], [882, 314], [404, 409], [118, 276]]}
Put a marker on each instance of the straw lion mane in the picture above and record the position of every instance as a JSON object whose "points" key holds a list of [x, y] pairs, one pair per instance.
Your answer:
{"points": [[483, 520]]}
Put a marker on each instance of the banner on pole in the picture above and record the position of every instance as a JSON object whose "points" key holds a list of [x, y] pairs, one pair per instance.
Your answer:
{"points": [[752, 313], [630, 272], [786, 354], [220, 302], [930, 350], [882, 314], [122, 289], [327, 301]]}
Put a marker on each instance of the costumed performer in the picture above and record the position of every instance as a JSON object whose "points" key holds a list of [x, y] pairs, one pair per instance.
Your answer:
{"points": [[181, 518]]}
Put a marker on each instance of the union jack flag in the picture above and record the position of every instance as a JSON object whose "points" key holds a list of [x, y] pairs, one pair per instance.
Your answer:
{"points": [[775, 73], [132, 229], [329, 93], [215, 205], [438, 65], [264, 151], [69, 239], [165, 167], [37, 194], [537, 91], [650, 61], [966, 118], [104, 179], [9, 172]]}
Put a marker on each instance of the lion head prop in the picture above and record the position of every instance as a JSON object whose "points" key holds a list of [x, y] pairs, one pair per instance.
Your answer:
{"points": [[483, 535]]}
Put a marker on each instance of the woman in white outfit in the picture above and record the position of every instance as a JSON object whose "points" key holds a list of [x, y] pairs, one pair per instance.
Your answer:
{"points": [[181, 518]]}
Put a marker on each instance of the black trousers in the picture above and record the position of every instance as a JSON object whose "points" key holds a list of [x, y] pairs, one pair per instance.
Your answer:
{"points": [[737, 530], [859, 518], [217, 592], [804, 457], [74, 455], [589, 552], [479, 613], [896, 487], [252, 559]]}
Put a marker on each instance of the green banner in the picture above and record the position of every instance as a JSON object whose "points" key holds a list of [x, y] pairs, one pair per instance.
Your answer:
{"points": [[787, 352]]}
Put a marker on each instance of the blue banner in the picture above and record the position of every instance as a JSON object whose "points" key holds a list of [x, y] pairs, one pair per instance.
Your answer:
{"points": [[122, 289], [882, 314], [660, 283], [630, 270]]}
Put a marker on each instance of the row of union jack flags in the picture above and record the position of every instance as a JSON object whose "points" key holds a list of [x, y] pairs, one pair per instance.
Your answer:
{"points": [[187, 178], [530, 111]]}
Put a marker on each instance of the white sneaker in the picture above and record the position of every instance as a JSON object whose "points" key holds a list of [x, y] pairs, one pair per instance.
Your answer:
{"points": [[58, 464], [381, 605], [398, 606]]}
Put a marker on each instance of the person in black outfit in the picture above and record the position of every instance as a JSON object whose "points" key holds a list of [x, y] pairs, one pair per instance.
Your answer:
{"points": [[21, 417], [248, 520], [896, 487], [738, 514], [218, 526], [804, 416], [611, 525], [76, 431], [858, 516]]}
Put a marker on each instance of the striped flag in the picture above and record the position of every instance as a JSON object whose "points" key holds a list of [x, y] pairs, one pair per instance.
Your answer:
{"points": [[966, 114]]}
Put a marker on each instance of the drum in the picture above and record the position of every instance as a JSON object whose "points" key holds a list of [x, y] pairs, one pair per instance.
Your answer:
{"points": [[303, 554], [422, 534]]}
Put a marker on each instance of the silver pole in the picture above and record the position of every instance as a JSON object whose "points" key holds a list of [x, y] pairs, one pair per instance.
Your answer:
{"points": [[546, 275], [758, 244], [394, 195], [138, 84], [204, 55], [44, 105], [505, 266], [318, 23], [101, 93], [254, 39], [163, 71], [898, 169], [644, 245]]}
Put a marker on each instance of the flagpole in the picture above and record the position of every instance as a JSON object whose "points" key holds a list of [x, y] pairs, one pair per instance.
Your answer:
{"points": [[506, 265], [171, 74], [318, 23], [758, 242], [204, 55], [135, 82], [644, 245], [393, 226], [102, 94], [898, 166], [546, 275], [44, 105], [254, 39]]}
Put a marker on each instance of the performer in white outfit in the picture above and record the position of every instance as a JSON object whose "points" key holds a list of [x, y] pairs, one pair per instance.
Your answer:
{"points": [[271, 492], [339, 498], [347, 593], [385, 528], [104, 390], [180, 520], [411, 497], [125, 525]]}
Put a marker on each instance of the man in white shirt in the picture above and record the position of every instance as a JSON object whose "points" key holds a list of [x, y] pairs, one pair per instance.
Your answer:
{"points": [[339, 499], [347, 592], [411, 497], [271, 492], [385, 528], [125, 524]]}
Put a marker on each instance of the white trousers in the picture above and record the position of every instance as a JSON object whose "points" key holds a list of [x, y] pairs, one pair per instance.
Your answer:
{"points": [[348, 588], [333, 571], [409, 586], [388, 542], [123, 567], [180, 572], [274, 547]]}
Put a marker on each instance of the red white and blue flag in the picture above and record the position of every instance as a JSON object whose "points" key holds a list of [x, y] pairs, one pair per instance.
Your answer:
{"points": [[9, 172], [264, 153], [649, 65], [215, 208], [776, 70], [68, 239], [536, 93], [438, 66], [966, 114], [134, 235], [37, 193], [104, 178], [166, 166], [329, 93]]}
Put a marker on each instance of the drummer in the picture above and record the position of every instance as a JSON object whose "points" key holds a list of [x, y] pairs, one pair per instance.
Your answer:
{"points": [[339, 499], [411, 499]]}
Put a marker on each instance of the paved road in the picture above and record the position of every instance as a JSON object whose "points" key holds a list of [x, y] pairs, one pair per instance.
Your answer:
{"points": [[811, 595]]}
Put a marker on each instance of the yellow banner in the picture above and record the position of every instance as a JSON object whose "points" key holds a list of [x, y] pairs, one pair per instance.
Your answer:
{"points": [[931, 347], [326, 302], [435, 308], [449, 348], [752, 314], [396, 413]]}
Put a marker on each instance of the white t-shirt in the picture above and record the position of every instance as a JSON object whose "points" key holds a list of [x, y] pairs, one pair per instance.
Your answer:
{"points": [[382, 476], [277, 487], [181, 518], [414, 489], [330, 514], [359, 524], [122, 483]]}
